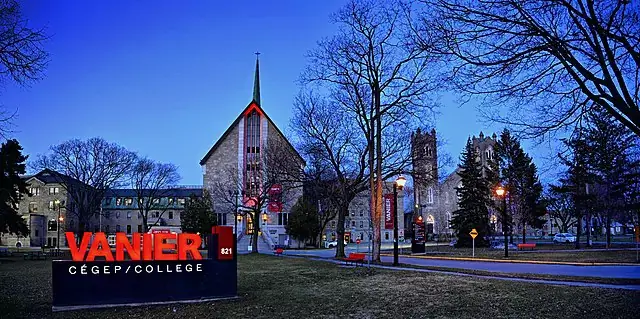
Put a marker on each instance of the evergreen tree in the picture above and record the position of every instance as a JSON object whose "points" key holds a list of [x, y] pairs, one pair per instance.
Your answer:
{"points": [[474, 199], [576, 178], [519, 175], [303, 223], [12, 165], [198, 215], [613, 165]]}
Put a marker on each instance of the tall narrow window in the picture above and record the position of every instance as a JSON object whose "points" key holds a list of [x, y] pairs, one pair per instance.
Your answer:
{"points": [[430, 196], [252, 155]]}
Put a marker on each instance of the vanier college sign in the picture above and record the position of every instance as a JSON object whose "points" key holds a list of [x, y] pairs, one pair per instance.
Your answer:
{"points": [[146, 269]]}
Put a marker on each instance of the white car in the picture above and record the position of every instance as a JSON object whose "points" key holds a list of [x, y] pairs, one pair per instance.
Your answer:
{"points": [[564, 238], [332, 244]]}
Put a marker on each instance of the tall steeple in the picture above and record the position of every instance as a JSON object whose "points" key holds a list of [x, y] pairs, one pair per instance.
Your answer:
{"points": [[256, 81]]}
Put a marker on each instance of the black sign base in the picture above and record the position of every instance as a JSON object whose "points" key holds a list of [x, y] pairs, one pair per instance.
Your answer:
{"points": [[71, 308], [97, 284]]}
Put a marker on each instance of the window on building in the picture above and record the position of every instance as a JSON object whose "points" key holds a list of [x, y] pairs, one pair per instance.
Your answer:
{"points": [[386, 236], [52, 225], [430, 195], [447, 217], [128, 229], [221, 218], [118, 201], [361, 213], [128, 201], [353, 213], [446, 197], [128, 215], [171, 217], [156, 201], [51, 205], [54, 190], [283, 218], [33, 207], [155, 214], [117, 215], [181, 201], [34, 191], [353, 223], [117, 228], [171, 200], [361, 224], [140, 228]]}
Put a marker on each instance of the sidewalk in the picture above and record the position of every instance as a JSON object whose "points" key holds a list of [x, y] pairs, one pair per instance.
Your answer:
{"points": [[543, 262], [535, 281]]}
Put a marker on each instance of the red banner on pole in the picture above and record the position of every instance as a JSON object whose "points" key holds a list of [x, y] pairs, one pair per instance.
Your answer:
{"points": [[388, 211]]}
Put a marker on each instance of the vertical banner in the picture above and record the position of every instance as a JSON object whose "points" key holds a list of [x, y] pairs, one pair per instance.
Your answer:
{"points": [[388, 211]]}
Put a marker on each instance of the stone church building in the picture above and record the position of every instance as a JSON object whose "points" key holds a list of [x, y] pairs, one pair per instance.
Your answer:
{"points": [[436, 201], [237, 166]]}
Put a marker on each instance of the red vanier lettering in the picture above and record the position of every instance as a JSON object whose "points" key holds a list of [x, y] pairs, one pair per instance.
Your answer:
{"points": [[133, 247], [99, 247], [77, 254], [158, 246], [184, 246]]}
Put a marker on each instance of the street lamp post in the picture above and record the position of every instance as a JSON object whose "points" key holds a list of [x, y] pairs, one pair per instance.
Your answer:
{"points": [[60, 220], [399, 184], [502, 193]]}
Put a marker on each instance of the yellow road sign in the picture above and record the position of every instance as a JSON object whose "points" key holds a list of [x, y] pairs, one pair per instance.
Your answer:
{"points": [[473, 233]]}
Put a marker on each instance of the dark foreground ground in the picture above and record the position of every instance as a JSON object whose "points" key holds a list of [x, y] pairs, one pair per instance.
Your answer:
{"points": [[277, 287]]}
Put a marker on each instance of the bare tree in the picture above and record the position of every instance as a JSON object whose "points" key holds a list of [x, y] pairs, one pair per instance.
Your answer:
{"points": [[550, 61], [377, 76], [278, 165], [152, 181], [22, 57], [86, 170], [561, 209], [328, 139]]}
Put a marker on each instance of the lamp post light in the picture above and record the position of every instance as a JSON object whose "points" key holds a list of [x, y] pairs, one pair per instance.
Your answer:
{"points": [[399, 184], [502, 193]]}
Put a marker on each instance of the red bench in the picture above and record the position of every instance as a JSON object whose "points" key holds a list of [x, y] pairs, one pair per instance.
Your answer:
{"points": [[278, 251], [522, 246], [355, 258]]}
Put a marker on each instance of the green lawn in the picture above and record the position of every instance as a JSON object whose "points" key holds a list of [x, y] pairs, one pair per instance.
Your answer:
{"points": [[277, 287], [583, 256]]}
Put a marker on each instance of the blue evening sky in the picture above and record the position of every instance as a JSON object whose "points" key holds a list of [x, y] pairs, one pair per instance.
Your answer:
{"points": [[166, 78]]}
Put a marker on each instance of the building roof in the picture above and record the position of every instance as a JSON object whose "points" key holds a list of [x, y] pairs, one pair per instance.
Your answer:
{"points": [[49, 176], [255, 102], [175, 192]]}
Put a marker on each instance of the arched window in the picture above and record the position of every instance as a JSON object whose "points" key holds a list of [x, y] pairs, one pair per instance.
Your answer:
{"points": [[430, 195], [447, 217]]}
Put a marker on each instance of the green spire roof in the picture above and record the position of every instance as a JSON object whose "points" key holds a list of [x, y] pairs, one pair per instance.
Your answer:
{"points": [[256, 81]]}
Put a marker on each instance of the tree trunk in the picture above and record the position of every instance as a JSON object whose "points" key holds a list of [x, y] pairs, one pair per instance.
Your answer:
{"points": [[342, 213], [145, 218], [578, 232], [256, 229], [372, 192], [588, 229], [608, 229], [379, 185]]}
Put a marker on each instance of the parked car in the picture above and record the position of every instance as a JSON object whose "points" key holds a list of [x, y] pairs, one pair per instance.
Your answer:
{"points": [[564, 238], [332, 244]]}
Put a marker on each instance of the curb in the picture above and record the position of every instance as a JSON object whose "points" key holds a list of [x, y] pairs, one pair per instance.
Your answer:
{"points": [[517, 261]]}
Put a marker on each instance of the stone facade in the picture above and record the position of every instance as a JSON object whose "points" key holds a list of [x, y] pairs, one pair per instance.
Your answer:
{"points": [[120, 212], [41, 211], [358, 224]]}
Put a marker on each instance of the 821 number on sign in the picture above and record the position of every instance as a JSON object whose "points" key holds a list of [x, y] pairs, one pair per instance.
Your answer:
{"points": [[226, 251]]}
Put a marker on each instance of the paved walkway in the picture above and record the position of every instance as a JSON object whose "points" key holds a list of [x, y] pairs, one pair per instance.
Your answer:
{"points": [[626, 272], [538, 281]]}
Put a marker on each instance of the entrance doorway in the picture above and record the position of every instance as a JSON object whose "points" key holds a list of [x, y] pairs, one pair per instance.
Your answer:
{"points": [[249, 225]]}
